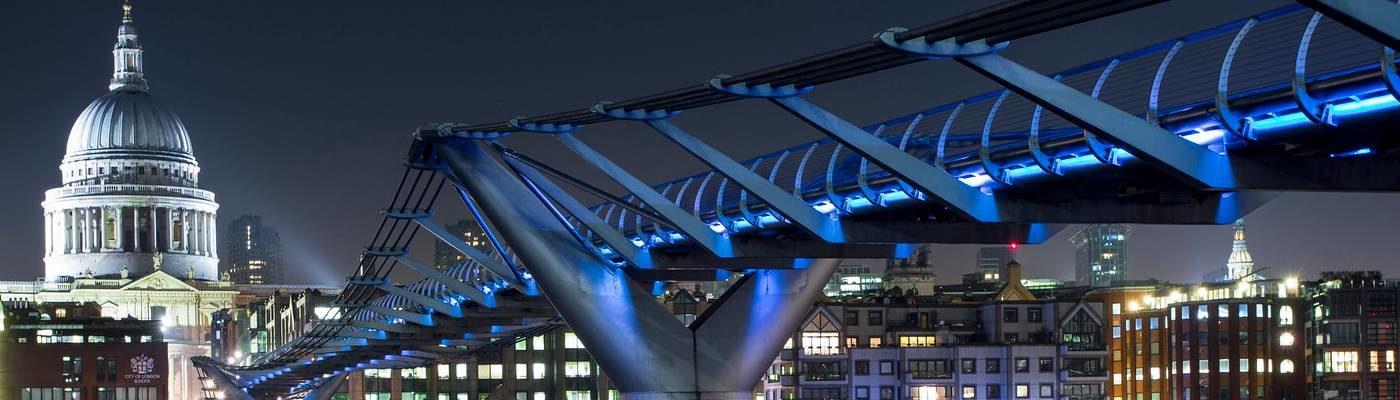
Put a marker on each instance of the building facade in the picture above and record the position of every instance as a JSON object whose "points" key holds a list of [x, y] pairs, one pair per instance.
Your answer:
{"points": [[69, 351], [1351, 324], [1101, 254], [470, 232], [130, 197], [252, 252], [992, 260]]}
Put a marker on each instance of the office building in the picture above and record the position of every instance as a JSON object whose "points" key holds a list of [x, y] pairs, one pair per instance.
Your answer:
{"points": [[252, 252], [1351, 323], [1101, 254], [470, 232]]}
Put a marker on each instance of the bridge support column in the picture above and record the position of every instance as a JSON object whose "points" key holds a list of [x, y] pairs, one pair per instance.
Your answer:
{"points": [[220, 380], [327, 388], [646, 350]]}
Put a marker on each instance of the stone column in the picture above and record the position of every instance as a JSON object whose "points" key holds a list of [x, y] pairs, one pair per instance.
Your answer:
{"points": [[155, 225], [213, 236], [169, 229], [69, 232], [121, 227]]}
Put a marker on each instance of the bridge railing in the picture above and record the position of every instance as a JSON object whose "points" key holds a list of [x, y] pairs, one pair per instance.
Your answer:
{"points": [[1174, 83]]}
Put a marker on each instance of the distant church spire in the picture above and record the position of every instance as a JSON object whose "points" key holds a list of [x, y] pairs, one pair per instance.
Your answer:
{"points": [[1241, 263], [126, 56]]}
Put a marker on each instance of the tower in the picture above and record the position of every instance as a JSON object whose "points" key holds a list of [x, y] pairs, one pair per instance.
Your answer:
{"points": [[252, 251], [1241, 263], [130, 185], [1101, 254]]}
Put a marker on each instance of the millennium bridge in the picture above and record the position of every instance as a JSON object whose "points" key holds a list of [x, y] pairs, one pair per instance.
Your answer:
{"points": [[1197, 130]]}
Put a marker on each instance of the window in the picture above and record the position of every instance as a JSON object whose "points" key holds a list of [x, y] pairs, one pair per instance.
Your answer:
{"points": [[72, 369], [851, 342], [930, 369], [1081, 332], [575, 369], [577, 395], [1047, 390], [993, 365], [1117, 308], [875, 318], [1222, 365], [1202, 312], [1046, 364], [1185, 312], [522, 345], [1033, 315], [887, 393], [1243, 312], [490, 371], [876, 341], [993, 391], [1154, 373], [862, 393], [571, 341], [886, 368], [1285, 315], [538, 370], [1152, 323], [537, 343], [1010, 315], [969, 391], [522, 371], [1382, 361], [1341, 333], [1023, 365], [917, 341], [1117, 332], [1222, 310], [461, 371], [852, 318], [824, 371], [1202, 366], [444, 371], [1023, 390], [969, 365], [1285, 366], [862, 367], [820, 343]]}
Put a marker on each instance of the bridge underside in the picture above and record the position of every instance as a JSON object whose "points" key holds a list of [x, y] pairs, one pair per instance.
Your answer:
{"points": [[1143, 138]]}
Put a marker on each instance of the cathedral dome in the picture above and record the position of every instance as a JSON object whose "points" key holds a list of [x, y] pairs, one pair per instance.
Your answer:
{"points": [[127, 120]]}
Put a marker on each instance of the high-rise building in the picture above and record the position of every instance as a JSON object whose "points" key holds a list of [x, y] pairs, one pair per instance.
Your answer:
{"points": [[991, 261], [470, 232], [252, 252], [1101, 254]]}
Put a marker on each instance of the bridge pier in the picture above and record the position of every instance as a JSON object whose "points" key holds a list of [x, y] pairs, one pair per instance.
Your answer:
{"points": [[642, 347]]}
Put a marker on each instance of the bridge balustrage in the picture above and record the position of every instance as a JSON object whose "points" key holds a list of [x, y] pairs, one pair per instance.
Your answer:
{"points": [[1197, 130]]}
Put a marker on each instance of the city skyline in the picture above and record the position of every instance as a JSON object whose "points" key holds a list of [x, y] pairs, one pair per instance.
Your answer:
{"points": [[219, 71]]}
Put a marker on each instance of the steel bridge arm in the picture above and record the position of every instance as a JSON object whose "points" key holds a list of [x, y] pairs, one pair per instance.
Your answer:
{"points": [[960, 197], [491, 264], [791, 207], [1377, 19], [454, 284], [1193, 163]]}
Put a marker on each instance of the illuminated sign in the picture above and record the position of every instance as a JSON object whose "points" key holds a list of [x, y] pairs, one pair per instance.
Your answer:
{"points": [[143, 370]]}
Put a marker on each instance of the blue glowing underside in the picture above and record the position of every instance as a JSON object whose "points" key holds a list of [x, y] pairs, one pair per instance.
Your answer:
{"points": [[892, 194]]}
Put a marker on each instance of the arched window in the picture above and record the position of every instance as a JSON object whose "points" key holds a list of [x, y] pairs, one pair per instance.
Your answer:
{"points": [[1285, 315], [1285, 367]]}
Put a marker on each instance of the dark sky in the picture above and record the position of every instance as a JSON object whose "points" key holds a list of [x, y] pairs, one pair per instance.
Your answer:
{"points": [[301, 110]]}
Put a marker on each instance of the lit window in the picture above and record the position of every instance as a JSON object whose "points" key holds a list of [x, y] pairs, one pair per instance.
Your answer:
{"points": [[490, 371], [1201, 312], [1117, 308], [571, 341], [820, 343], [1244, 365], [1222, 365], [1285, 315], [538, 370], [969, 391], [1340, 361], [1382, 361], [1023, 390], [522, 371], [574, 369], [917, 341], [538, 342], [1155, 373], [1222, 310], [1285, 367], [462, 371], [1285, 339]]}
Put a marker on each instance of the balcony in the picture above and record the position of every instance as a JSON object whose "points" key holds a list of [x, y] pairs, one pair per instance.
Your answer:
{"points": [[824, 376]]}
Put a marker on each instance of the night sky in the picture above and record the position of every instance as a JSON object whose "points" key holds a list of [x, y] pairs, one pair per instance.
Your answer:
{"points": [[302, 110]]}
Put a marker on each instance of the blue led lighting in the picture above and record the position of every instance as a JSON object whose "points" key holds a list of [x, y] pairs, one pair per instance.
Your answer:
{"points": [[1358, 152]]}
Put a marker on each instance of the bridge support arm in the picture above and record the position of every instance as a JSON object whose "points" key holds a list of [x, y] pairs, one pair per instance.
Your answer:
{"points": [[454, 284], [496, 267], [791, 207], [1377, 19], [326, 390], [937, 183]]}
